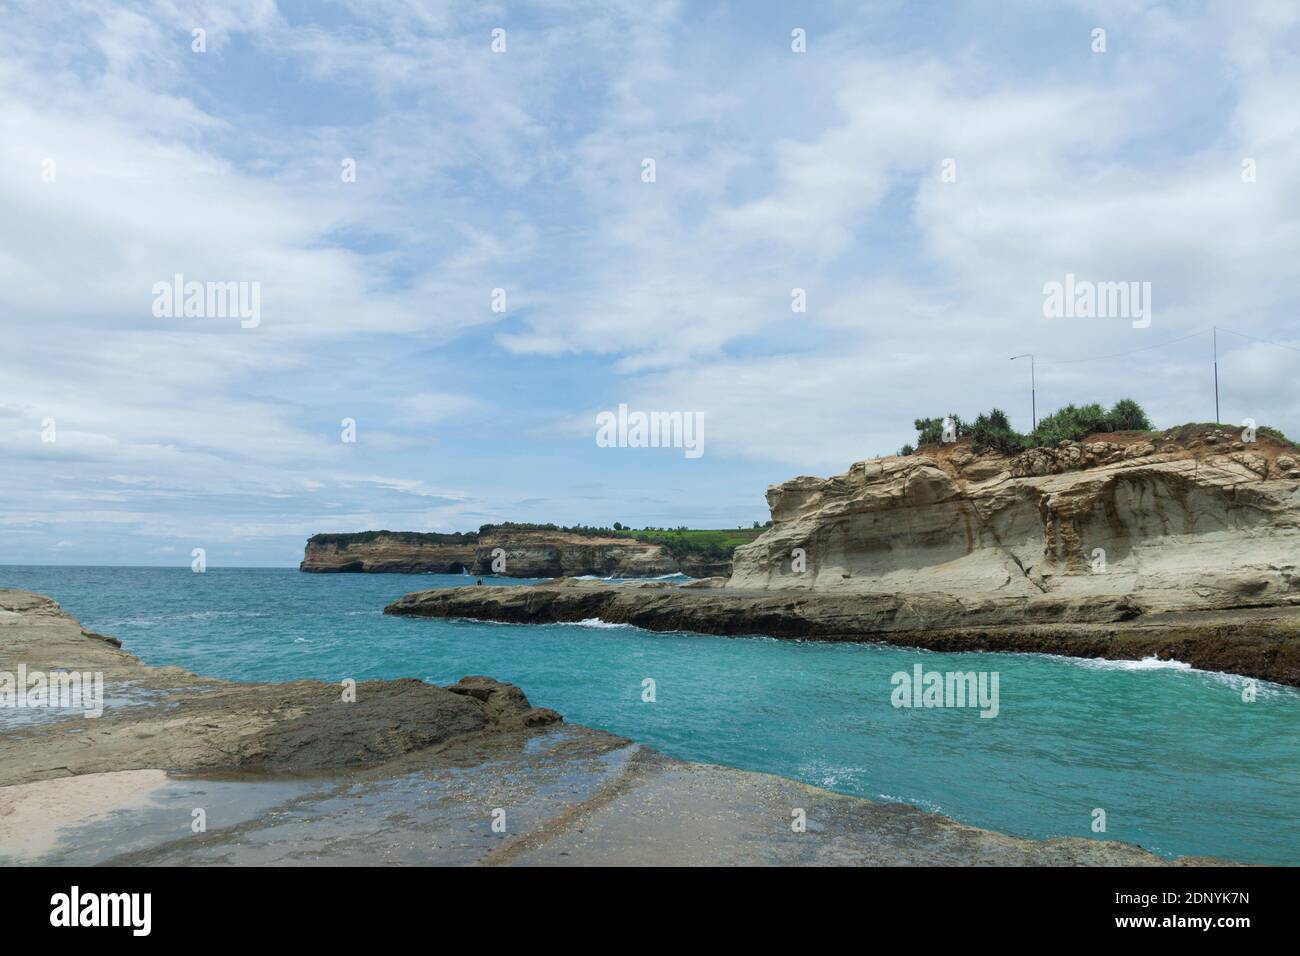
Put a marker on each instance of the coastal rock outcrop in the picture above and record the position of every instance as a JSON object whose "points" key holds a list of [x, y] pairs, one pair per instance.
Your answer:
{"points": [[1180, 545], [554, 554], [522, 553], [168, 718], [1172, 521], [393, 552]]}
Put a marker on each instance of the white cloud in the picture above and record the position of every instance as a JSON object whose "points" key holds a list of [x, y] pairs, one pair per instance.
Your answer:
{"points": [[522, 171]]}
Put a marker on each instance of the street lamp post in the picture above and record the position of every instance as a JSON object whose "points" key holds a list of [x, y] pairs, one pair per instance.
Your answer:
{"points": [[1216, 375], [1033, 387]]}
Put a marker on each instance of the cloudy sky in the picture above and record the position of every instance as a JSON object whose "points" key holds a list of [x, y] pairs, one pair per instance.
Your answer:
{"points": [[128, 157]]}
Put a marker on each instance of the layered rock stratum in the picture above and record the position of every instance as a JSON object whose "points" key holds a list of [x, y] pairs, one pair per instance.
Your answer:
{"points": [[1182, 544], [1167, 521], [390, 552]]}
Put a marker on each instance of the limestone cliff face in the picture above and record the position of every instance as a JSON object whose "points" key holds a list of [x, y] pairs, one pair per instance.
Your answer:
{"points": [[526, 554], [1170, 520], [395, 553], [552, 554]]}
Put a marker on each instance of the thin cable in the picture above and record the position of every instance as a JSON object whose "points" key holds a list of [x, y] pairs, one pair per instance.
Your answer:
{"points": [[1145, 348], [1256, 338]]}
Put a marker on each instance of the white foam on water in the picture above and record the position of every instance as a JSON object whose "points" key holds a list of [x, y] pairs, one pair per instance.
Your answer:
{"points": [[597, 622], [927, 805], [1263, 688], [1145, 664]]}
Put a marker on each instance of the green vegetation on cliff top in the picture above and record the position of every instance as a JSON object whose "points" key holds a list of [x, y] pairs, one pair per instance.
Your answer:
{"points": [[992, 430], [343, 539]]}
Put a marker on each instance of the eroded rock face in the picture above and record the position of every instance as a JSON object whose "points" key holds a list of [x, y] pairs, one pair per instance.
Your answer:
{"points": [[390, 553], [553, 554], [1205, 521]]}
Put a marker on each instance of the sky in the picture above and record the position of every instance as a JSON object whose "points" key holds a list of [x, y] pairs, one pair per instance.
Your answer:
{"points": [[920, 171]]}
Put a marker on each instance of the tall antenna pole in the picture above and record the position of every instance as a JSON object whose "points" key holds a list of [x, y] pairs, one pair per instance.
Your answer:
{"points": [[1216, 375], [1033, 387]]}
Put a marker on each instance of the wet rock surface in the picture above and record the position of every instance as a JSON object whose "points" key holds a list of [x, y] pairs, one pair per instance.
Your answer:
{"points": [[182, 722]]}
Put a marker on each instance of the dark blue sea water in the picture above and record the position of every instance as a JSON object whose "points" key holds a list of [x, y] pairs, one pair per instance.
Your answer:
{"points": [[1175, 758]]}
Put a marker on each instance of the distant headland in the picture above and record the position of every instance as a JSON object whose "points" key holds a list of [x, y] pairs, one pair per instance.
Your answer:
{"points": [[523, 550]]}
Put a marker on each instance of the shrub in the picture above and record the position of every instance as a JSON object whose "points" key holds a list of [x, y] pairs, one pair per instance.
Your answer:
{"points": [[1074, 424], [1127, 415], [992, 429], [929, 431]]}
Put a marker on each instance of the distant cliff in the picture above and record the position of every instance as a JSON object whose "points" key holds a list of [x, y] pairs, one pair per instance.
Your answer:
{"points": [[395, 552], [519, 552]]}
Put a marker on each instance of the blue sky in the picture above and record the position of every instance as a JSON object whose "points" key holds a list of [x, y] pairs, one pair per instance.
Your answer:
{"points": [[522, 170]]}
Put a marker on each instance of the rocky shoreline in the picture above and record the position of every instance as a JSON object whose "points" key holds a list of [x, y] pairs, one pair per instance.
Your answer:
{"points": [[1178, 545], [168, 718], [409, 773], [1263, 643]]}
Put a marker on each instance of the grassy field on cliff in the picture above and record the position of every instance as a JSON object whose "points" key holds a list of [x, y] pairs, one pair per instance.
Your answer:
{"points": [[720, 543]]}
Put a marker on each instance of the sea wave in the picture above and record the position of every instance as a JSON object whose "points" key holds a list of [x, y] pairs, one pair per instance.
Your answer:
{"points": [[216, 615], [1145, 664], [169, 618], [1263, 688]]}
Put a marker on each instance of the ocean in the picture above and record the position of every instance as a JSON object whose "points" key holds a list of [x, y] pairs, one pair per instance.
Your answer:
{"points": [[1175, 758]]}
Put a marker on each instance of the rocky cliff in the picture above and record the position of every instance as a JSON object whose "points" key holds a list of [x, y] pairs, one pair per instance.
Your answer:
{"points": [[392, 552], [551, 554], [1180, 545], [519, 553], [1188, 519]]}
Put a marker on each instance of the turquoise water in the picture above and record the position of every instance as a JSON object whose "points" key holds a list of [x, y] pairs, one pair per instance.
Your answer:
{"points": [[1179, 763]]}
